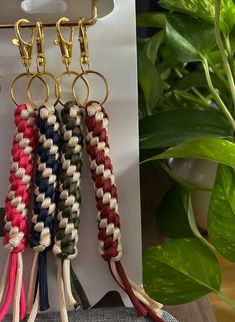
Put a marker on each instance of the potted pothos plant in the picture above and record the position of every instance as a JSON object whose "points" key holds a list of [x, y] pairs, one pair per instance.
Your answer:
{"points": [[187, 110]]}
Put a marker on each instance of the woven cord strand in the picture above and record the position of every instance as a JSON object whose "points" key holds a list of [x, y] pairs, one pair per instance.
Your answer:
{"points": [[45, 193], [67, 219], [110, 248], [16, 205]]}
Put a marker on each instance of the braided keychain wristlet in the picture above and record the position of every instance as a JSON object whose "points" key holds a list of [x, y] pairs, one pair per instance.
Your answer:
{"points": [[110, 248], [41, 239], [17, 204], [67, 219]]}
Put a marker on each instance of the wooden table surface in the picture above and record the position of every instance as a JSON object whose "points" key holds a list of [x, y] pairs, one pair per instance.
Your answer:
{"points": [[197, 311], [224, 312]]}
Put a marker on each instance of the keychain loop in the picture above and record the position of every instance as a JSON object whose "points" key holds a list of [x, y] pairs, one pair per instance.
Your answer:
{"points": [[71, 72], [81, 76], [28, 75], [40, 75]]}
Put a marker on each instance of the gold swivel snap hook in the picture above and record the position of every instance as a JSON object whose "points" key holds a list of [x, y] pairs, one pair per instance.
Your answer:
{"points": [[41, 60], [93, 20], [85, 61], [26, 50], [66, 48], [41, 67]]}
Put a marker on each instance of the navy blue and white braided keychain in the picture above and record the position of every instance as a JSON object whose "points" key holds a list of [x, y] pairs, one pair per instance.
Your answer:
{"points": [[45, 194]]}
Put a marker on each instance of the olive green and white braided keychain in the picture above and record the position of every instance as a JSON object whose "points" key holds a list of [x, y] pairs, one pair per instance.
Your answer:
{"points": [[65, 246], [68, 208]]}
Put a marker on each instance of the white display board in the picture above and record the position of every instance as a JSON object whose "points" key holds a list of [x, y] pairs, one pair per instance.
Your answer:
{"points": [[112, 42], [11, 10]]}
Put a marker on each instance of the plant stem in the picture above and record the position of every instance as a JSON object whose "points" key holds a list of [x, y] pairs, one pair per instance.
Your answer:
{"points": [[178, 73], [216, 95], [180, 181], [226, 299], [217, 72], [230, 55], [193, 225], [222, 50], [208, 244], [201, 97]]}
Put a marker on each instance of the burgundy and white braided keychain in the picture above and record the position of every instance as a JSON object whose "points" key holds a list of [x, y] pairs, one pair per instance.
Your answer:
{"points": [[110, 246], [97, 146]]}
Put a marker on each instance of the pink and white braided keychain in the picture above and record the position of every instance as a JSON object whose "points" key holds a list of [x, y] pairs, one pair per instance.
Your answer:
{"points": [[110, 247], [16, 205]]}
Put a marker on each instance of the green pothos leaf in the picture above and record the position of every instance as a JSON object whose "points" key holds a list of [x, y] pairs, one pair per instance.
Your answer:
{"points": [[204, 9], [180, 271], [165, 129], [172, 219], [151, 19], [210, 148], [189, 38], [152, 46], [221, 213], [149, 80]]}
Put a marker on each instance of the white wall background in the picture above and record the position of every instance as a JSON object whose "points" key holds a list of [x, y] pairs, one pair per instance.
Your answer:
{"points": [[113, 52]]}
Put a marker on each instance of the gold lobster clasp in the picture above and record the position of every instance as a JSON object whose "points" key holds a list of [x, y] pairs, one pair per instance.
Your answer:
{"points": [[25, 48], [66, 46], [41, 60]]}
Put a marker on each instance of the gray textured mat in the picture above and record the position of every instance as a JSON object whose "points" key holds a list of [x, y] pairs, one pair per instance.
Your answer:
{"points": [[100, 315]]}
